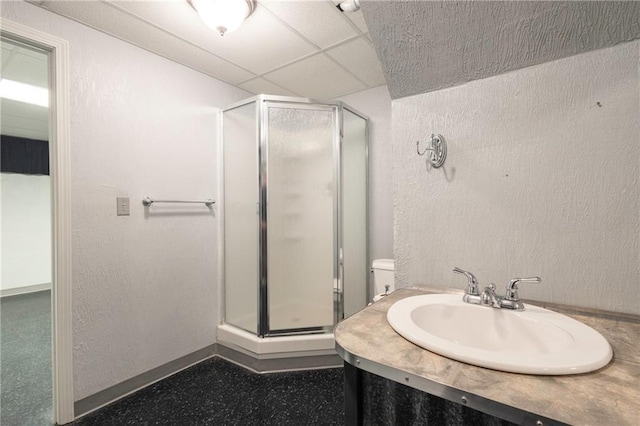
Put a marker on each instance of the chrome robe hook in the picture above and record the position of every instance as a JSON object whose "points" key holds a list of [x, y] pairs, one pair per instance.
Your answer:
{"points": [[438, 149]]}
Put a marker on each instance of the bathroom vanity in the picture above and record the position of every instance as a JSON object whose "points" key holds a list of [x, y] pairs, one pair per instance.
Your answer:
{"points": [[373, 351]]}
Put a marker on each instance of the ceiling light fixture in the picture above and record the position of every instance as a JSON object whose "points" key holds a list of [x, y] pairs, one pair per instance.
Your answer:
{"points": [[349, 6], [223, 15], [22, 92]]}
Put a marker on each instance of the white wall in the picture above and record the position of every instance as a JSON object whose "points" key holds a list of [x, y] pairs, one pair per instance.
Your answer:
{"points": [[376, 104], [26, 231], [541, 179], [145, 286]]}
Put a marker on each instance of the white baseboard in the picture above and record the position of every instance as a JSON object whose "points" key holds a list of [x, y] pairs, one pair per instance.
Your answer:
{"points": [[24, 290]]}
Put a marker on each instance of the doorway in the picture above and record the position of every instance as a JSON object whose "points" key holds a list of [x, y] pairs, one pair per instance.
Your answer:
{"points": [[25, 200], [36, 273]]}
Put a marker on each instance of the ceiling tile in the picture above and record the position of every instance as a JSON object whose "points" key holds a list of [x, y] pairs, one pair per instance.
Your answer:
{"points": [[111, 20], [172, 14], [316, 77], [360, 58], [261, 86], [358, 19], [24, 120], [277, 39], [261, 44], [355, 17], [25, 66], [319, 21]]}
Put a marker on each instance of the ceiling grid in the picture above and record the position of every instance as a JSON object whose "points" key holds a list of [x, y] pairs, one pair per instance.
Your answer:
{"points": [[303, 48]]}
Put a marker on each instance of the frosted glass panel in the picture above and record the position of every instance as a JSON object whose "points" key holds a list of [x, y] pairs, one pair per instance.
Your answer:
{"points": [[241, 238], [354, 212], [300, 218]]}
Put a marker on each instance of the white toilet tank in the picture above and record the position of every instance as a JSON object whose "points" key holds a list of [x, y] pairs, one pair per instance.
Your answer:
{"points": [[383, 276]]}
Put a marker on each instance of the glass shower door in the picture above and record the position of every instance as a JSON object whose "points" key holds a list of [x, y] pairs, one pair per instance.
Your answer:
{"points": [[355, 268], [301, 216], [241, 230]]}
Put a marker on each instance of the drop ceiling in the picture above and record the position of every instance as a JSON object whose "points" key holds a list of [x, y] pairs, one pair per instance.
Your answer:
{"points": [[297, 47], [24, 65]]}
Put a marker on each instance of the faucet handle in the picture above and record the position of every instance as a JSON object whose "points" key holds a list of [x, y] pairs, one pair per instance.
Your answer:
{"points": [[472, 283], [512, 287]]}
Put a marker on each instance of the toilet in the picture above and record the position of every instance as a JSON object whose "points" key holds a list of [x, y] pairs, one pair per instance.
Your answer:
{"points": [[383, 277]]}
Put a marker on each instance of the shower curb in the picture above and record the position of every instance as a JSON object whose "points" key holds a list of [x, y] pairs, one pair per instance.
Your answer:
{"points": [[261, 365]]}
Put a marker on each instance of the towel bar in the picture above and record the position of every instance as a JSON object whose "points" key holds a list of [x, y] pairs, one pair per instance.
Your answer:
{"points": [[148, 201]]}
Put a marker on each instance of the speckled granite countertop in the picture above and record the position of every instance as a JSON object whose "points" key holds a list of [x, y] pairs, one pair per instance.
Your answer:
{"points": [[609, 396]]}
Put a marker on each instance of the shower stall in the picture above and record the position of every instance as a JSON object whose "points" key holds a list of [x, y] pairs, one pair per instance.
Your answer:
{"points": [[294, 216]]}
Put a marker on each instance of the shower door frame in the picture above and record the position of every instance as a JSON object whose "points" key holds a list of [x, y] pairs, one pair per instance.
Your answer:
{"points": [[264, 323], [261, 107]]}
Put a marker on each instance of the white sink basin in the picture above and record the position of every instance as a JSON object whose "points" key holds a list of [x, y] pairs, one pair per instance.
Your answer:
{"points": [[533, 341]]}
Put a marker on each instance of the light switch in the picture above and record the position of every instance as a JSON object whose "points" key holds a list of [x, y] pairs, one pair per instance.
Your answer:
{"points": [[123, 206]]}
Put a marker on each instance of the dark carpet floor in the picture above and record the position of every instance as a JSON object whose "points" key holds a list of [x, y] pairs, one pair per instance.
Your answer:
{"points": [[216, 392], [25, 360]]}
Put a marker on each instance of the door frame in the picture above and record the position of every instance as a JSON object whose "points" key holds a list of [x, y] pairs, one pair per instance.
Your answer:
{"points": [[59, 162]]}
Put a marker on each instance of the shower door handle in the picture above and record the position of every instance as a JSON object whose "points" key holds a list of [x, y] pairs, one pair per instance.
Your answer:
{"points": [[339, 288], [339, 306]]}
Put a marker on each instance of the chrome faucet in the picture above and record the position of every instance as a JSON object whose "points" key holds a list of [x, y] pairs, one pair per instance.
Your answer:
{"points": [[489, 297], [511, 299]]}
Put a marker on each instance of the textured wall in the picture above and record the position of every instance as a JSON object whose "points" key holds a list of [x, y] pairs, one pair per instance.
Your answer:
{"points": [[144, 286], [428, 45], [376, 104], [542, 178]]}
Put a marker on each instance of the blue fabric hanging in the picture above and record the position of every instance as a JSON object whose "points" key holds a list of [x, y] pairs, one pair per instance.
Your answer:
{"points": [[22, 155]]}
